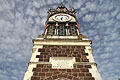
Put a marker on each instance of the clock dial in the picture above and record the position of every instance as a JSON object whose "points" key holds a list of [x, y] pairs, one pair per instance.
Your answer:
{"points": [[61, 17]]}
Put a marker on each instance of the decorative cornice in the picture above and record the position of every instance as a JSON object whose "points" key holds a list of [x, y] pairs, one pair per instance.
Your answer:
{"points": [[61, 9]]}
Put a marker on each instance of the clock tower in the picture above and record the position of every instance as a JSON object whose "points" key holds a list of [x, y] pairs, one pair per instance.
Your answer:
{"points": [[62, 52]]}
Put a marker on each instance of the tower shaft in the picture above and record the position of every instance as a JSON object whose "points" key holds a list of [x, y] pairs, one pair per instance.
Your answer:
{"points": [[62, 52]]}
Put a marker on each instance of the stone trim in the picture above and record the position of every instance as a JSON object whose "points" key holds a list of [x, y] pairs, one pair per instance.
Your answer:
{"points": [[95, 72], [76, 63], [62, 43], [29, 72], [62, 40]]}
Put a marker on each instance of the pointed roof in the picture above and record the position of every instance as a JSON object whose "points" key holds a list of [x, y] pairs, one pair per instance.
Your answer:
{"points": [[61, 9]]}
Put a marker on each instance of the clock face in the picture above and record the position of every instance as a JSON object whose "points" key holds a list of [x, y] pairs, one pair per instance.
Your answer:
{"points": [[62, 17]]}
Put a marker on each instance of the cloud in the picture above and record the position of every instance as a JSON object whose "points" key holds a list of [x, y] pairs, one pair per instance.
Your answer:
{"points": [[91, 6], [23, 20], [88, 18], [118, 16], [77, 4], [6, 4]]}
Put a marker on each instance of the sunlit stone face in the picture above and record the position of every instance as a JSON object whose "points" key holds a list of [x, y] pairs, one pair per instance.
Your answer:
{"points": [[62, 62]]}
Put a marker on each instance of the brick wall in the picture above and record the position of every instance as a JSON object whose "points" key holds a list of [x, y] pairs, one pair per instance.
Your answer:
{"points": [[45, 71]]}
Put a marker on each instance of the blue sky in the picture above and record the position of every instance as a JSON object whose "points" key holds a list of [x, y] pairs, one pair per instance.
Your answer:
{"points": [[22, 20]]}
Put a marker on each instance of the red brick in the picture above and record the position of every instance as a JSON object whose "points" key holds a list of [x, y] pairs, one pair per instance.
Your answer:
{"points": [[42, 77], [55, 77], [69, 55], [79, 47], [54, 55], [75, 52], [46, 60], [70, 77], [60, 55], [34, 78], [50, 78], [85, 60], [37, 69], [63, 50], [78, 56], [84, 70], [73, 55], [88, 74], [75, 78], [38, 56], [81, 78], [80, 66], [69, 70], [75, 66], [89, 78], [48, 74], [47, 49], [74, 74], [45, 70], [81, 74], [68, 50], [35, 74], [41, 59], [56, 73], [58, 52], [73, 47], [64, 46], [40, 65], [63, 70], [82, 47], [77, 59], [65, 75], [60, 75], [49, 66], [41, 74], [83, 56], [34, 69], [75, 70], [87, 66], [53, 49], [41, 50], [53, 69], [44, 53]]}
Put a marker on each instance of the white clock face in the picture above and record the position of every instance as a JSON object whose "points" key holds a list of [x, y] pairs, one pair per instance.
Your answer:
{"points": [[62, 17]]}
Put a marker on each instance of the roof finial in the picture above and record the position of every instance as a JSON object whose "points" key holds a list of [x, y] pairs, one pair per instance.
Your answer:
{"points": [[61, 5]]}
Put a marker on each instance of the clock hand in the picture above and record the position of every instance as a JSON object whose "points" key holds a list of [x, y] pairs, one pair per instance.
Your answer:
{"points": [[61, 18]]}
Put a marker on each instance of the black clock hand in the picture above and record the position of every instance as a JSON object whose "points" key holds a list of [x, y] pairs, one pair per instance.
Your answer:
{"points": [[61, 18]]}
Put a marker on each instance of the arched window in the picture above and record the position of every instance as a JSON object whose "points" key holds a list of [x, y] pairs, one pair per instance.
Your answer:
{"points": [[73, 30], [51, 30], [61, 30]]}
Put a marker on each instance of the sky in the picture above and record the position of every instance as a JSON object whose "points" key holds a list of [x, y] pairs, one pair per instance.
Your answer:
{"points": [[22, 20]]}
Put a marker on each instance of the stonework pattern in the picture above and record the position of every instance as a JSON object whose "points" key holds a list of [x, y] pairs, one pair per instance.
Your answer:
{"points": [[46, 72]]}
